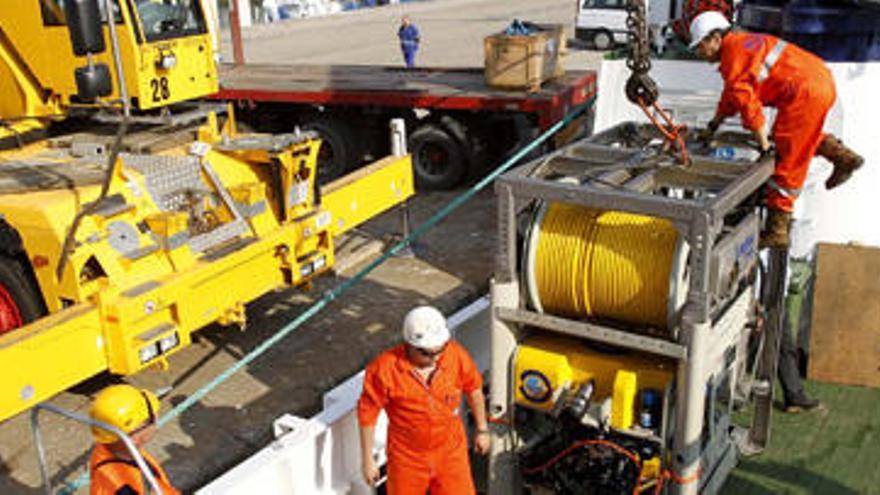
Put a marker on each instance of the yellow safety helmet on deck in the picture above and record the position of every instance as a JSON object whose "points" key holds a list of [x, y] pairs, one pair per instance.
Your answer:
{"points": [[125, 407]]}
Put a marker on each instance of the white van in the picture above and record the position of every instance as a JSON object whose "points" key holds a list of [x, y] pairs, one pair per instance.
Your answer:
{"points": [[602, 23]]}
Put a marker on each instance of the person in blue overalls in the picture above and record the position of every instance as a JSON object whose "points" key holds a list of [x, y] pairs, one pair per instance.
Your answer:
{"points": [[409, 41]]}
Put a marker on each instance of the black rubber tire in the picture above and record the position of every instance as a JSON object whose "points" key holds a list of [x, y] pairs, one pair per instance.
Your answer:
{"points": [[338, 148], [439, 162], [602, 40], [19, 285], [585, 35]]}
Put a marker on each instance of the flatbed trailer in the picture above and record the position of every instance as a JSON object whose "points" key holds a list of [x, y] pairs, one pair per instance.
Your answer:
{"points": [[457, 125]]}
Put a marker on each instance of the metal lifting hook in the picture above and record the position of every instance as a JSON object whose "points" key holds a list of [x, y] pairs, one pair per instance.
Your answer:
{"points": [[640, 88]]}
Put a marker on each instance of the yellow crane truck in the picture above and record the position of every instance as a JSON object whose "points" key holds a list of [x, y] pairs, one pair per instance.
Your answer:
{"points": [[130, 218]]}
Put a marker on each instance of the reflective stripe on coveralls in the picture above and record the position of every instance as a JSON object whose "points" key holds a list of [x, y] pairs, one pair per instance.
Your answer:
{"points": [[427, 445], [799, 86], [789, 193], [110, 475], [771, 59]]}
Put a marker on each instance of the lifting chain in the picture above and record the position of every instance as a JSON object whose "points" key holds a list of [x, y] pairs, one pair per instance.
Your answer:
{"points": [[640, 88]]}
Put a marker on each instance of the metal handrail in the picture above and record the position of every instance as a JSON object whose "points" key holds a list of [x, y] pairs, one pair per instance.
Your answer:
{"points": [[129, 444]]}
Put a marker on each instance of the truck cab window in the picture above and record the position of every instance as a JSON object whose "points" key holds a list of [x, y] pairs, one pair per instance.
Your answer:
{"points": [[165, 19]]}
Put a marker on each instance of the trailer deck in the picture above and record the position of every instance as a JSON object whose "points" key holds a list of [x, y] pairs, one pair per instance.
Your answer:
{"points": [[372, 85]]}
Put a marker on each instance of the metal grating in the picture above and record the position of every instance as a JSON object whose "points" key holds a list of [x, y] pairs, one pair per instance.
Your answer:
{"points": [[169, 179]]}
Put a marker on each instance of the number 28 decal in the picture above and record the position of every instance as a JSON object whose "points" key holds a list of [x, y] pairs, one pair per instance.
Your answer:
{"points": [[161, 91]]}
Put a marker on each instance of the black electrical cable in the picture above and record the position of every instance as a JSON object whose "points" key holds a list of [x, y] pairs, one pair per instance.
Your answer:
{"points": [[88, 209]]}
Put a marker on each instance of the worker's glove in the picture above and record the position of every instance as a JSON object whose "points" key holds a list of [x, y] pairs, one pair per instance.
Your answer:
{"points": [[713, 125], [769, 152], [706, 135]]}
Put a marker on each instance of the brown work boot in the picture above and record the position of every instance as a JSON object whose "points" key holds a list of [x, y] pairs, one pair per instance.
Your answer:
{"points": [[775, 233], [845, 160]]}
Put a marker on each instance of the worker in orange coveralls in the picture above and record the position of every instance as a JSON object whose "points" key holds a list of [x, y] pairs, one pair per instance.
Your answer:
{"points": [[419, 385], [759, 70], [112, 468]]}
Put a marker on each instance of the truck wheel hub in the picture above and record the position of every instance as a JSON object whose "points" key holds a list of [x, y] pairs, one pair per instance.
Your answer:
{"points": [[10, 316]]}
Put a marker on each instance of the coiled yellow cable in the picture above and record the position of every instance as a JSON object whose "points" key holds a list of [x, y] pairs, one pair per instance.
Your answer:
{"points": [[607, 264]]}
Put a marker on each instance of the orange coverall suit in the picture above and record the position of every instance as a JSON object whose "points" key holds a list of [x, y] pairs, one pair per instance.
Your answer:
{"points": [[762, 70], [111, 475], [427, 445]]}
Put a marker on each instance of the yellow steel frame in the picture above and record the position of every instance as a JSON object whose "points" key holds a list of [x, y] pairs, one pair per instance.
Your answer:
{"points": [[145, 309], [132, 289]]}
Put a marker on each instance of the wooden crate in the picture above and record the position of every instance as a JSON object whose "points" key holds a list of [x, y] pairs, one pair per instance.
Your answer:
{"points": [[845, 327], [525, 62]]}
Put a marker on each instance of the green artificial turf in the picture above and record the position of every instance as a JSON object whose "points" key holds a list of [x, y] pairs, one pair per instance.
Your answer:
{"points": [[833, 450]]}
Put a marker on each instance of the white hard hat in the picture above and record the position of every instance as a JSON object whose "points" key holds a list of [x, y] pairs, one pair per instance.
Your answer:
{"points": [[425, 327], [705, 23]]}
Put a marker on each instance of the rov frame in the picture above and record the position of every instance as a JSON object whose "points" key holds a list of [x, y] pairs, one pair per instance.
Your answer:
{"points": [[708, 201]]}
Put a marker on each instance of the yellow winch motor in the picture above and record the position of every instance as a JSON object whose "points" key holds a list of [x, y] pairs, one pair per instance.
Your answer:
{"points": [[582, 262], [545, 366]]}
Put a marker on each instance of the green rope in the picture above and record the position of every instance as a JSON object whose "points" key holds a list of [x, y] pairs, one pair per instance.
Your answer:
{"points": [[70, 487]]}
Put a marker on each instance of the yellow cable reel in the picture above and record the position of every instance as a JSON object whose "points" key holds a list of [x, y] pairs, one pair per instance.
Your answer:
{"points": [[581, 262]]}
